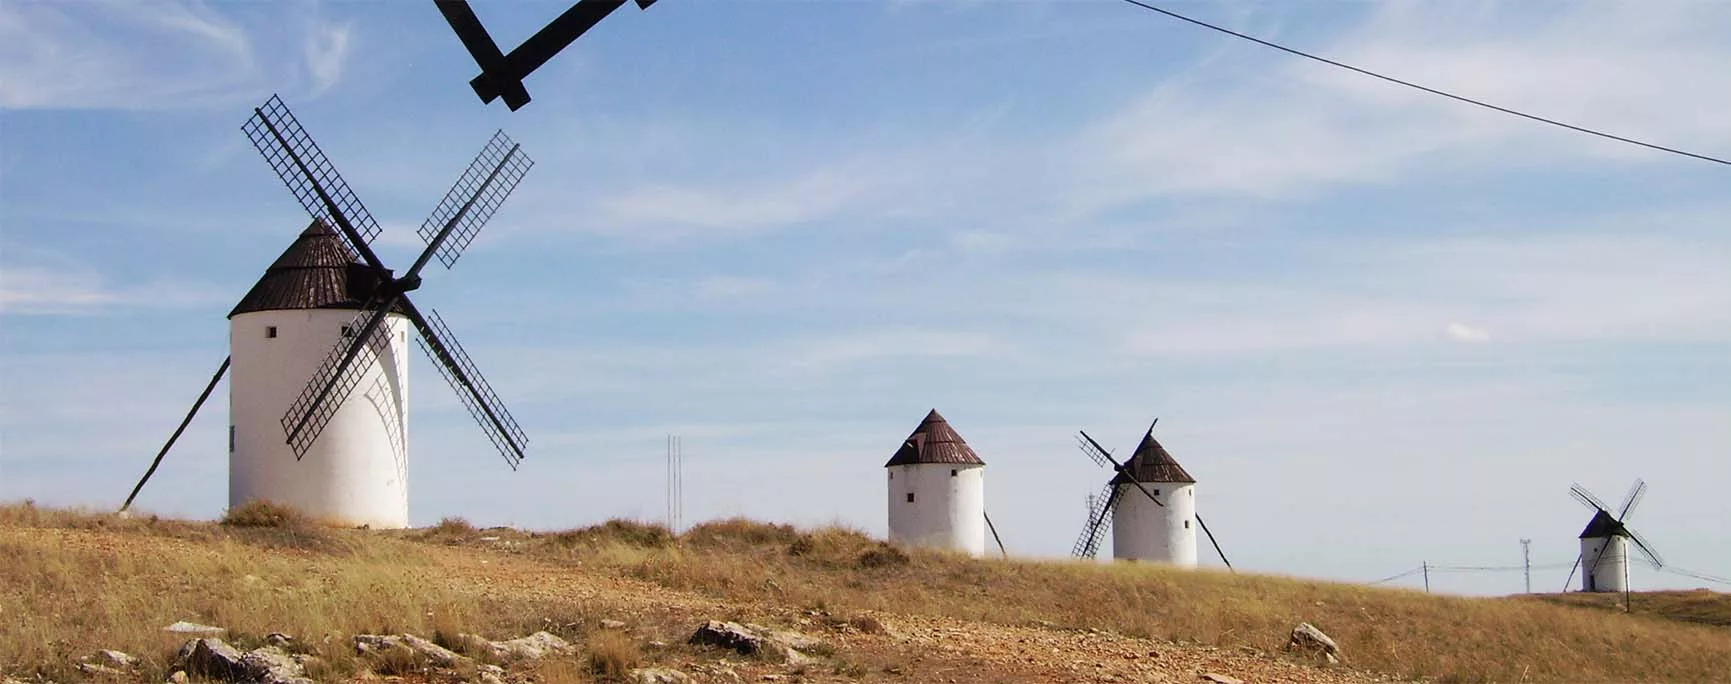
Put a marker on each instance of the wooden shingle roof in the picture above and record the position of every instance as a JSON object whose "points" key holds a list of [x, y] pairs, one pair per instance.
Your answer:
{"points": [[313, 273], [1152, 463], [934, 441]]}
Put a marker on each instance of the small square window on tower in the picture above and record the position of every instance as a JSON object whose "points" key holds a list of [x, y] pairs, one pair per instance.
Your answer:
{"points": [[910, 497], [1156, 492], [1186, 524], [270, 331], [952, 472]]}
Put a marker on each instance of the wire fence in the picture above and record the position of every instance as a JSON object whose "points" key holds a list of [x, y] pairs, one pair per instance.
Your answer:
{"points": [[1427, 570]]}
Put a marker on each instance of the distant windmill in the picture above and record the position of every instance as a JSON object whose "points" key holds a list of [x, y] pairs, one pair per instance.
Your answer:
{"points": [[319, 396], [1604, 559], [1148, 504]]}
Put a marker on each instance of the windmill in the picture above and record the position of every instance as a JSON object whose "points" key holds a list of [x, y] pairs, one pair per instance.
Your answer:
{"points": [[318, 398], [1604, 559], [1148, 504]]}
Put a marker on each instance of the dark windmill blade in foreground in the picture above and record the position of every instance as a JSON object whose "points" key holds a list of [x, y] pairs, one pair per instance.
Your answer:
{"points": [[1604, 558], [318, 367], [502, 74], [1148, 504]]}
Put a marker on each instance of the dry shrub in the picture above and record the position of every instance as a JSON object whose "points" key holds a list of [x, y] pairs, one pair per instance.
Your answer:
{"points": [[450, 530], [884, 555], [616, 531], [737, 533], [612, 653], [266, 514]]}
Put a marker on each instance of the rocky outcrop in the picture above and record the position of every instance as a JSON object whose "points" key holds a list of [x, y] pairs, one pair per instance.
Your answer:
{"points": [[658, 675], [748, 639], [214, 659], [532, 647], [184, 627], [1306, 638], [421, 651]]}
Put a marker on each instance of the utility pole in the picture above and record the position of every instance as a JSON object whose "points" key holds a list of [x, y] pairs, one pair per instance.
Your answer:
{"points": [[1426, 567], [1527, 562], [675, 482]]}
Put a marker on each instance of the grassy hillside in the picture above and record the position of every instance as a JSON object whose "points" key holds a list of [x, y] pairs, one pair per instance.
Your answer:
{"points": [[1699, 606], [70, 583]]}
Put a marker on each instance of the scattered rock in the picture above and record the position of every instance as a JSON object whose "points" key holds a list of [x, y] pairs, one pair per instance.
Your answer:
{"points": [[1219, 678], [532, 647], [658, 675], [489, 678], [211, 658], [612, 624], [752, 639], [279, 639], [184, 627], [270, 665], [112, 658], [178, 677], [100, 670], [1309, 639], [431, 653]]}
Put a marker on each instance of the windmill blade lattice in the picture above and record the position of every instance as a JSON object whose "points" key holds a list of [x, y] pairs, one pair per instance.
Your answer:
{"points": [[1094, 451], [475, 392], [476, 195], [1099, 521], [306, 171], [365, 339], [1646, 549], [1633, 498], [1586, 498]]}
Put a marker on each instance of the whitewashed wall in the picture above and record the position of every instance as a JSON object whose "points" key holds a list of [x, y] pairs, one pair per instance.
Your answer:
{"points": [[1142, 530], [357, 471], [1612, 571], [947, 511]]}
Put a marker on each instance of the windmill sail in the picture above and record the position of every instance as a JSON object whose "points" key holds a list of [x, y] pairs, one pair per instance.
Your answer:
{"points": [[474, 391], [448, 230], [1099, 521]]}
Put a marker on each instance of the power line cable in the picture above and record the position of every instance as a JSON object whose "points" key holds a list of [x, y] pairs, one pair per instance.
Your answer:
{"points": [[1696, 575], [1392, 578], [1433, 91]]}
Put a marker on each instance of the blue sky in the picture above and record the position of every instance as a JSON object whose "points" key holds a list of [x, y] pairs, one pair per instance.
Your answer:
{"points": [[1379, 327]]}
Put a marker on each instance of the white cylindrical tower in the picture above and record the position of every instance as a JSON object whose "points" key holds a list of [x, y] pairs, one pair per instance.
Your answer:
{"points": [[1144, 530], [1604, 555], [937, 490], [355, 473]]}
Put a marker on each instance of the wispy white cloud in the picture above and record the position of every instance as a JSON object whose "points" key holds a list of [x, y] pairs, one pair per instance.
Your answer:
{"points": [[1296, 126], [830, 352], [1461, 332], [674, 210], [74, 290], [163, 54]]}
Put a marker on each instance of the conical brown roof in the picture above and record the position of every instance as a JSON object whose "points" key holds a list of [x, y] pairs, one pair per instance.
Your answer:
{"points": [[313, 273], [934, 441], [1152, 463], [1603, 525]]}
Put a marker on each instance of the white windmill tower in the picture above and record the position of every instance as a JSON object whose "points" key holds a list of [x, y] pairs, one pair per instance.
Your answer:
{"points": [[319, 398], [1604, 559], [1149, 504], [937, 490], [356, 471]]}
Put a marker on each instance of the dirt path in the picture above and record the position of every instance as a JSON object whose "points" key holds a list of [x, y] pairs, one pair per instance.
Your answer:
{"points": [[910, 648]]}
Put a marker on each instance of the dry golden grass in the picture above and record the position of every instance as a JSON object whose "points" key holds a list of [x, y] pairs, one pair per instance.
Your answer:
{"points": [[1698, 605], [66, 592], [1399, 632], [611, 653]]}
